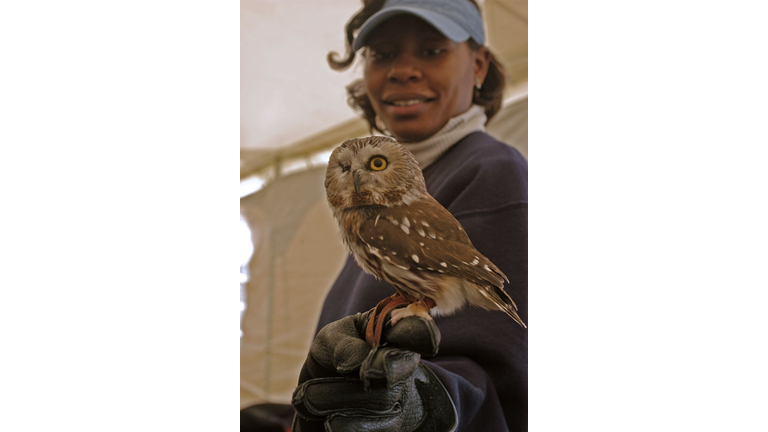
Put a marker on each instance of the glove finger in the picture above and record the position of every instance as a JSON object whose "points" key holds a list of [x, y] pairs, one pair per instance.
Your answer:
{"points": [[338, 346], [323, 397], [415, 334], [387, 366]]}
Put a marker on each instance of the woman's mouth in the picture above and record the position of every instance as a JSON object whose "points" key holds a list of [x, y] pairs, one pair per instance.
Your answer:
{"points": [[405, 102], [406, 105]]}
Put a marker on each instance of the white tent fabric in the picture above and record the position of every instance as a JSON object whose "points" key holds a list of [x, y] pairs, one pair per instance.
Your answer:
{"points": [[293, 107], [297, 254], [287, 90]]}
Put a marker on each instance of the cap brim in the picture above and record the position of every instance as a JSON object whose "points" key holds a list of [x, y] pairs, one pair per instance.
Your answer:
{"points": [[444, 25]]}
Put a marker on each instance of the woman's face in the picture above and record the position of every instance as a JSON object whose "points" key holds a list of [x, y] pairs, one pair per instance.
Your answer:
{"points": [[417, 79]]}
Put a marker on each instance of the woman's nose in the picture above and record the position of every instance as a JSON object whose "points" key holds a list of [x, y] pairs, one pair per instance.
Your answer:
{"points": [[404, 69]]}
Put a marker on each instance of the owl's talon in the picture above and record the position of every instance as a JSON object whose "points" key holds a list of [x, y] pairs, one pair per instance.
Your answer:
{"points": [[413, 309]]}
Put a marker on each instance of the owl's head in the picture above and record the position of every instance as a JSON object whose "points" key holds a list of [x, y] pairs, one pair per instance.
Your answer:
{"points": [[372, 171]]}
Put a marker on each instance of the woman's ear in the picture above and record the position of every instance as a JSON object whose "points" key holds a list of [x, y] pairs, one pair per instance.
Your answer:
{"points": [[481, 62]]}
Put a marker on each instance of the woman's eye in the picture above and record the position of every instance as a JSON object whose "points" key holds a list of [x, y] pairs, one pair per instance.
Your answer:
{"points": [[434, 51], [378, 163], [381, 55]]}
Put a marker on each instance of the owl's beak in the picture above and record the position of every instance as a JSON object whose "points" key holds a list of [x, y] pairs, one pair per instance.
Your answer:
{"points": [[357, 181]]}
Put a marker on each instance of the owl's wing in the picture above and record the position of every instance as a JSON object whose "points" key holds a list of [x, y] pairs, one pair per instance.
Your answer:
{"points": [[425, 236]]}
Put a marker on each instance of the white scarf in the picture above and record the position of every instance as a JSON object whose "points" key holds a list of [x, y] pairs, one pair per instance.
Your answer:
{"points": [[427, 151]]}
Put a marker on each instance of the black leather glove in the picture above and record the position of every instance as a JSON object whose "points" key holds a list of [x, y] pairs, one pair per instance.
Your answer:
{"points": [[345, 385]]}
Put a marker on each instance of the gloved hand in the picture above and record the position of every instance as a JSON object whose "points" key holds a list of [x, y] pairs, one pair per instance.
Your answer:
{"points": [[345, 385]]}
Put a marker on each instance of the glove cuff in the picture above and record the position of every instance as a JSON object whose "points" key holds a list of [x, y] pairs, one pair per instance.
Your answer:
{"points": [[440, 412]]}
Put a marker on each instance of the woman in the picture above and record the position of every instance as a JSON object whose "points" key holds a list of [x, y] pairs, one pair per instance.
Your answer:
{"points": [[430, 83]]}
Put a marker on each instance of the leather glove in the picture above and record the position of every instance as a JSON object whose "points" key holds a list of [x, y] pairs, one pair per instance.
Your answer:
{"points": [[345, 385]]}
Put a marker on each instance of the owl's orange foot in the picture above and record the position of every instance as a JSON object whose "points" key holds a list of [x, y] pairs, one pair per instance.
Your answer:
{"points": [[376, 321], [413, 309]]}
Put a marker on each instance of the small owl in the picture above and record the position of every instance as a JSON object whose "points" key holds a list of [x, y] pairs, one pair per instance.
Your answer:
{"points": [[397, 232]]}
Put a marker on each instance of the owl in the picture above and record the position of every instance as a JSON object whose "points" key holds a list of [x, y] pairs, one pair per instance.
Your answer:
{"points": [[400, 234]]}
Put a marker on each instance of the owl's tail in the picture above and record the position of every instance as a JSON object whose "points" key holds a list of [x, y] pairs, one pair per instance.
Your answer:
{"points": [[504, 302]]}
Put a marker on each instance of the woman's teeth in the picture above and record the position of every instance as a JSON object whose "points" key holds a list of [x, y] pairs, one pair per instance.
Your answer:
{"points": [[403, 103]]}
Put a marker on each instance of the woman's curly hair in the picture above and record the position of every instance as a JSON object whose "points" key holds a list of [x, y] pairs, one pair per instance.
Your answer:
{"points": [[489, 96]]}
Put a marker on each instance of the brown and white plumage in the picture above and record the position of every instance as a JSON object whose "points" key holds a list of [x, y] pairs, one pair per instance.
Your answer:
{"points": [[399, 233]]}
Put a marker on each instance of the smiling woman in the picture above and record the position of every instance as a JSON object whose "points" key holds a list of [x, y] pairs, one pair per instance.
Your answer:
{"points": [[430, 82]]}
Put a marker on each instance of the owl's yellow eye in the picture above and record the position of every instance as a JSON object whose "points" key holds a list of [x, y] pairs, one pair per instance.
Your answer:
{"points": [[378, 163]]}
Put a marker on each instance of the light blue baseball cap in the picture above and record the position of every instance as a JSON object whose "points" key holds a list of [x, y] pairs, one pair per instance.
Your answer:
{"points": [[458, 20]]}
